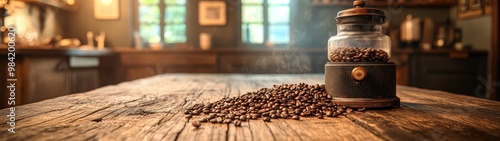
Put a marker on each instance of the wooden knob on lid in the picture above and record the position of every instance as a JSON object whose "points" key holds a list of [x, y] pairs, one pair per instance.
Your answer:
{"points": [[358, 3]]}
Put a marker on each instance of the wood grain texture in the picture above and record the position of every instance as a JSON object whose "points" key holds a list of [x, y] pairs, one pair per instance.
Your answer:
{"points": [[152, 109], [495, 51]]}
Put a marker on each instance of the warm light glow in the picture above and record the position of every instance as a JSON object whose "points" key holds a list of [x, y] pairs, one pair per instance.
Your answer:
{"points": [[3, 3], [106, 2], [70, 2], [440, 43]]}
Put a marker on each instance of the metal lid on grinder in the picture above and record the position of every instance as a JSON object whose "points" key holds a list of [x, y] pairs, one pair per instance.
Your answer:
{"points": [[361, 15]]}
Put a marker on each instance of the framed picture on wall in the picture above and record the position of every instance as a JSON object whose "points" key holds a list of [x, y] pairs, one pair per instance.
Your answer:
{"points": [[473, 8], [106, 9], [469, 9], [212, 13]]}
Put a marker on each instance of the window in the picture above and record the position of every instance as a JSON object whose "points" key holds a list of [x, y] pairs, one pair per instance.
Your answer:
{"points": [[162, 21], [265, 21]]}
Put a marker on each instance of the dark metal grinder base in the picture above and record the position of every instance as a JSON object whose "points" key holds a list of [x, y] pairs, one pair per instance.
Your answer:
{"points": [[361, 84]]}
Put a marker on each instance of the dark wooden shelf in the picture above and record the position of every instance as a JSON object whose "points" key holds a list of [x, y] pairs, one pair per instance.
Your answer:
{"points": [[52, 3], [385, 4]]}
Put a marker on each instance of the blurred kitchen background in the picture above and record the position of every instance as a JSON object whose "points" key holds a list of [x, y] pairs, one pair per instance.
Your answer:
{"points": [[73, 46]]}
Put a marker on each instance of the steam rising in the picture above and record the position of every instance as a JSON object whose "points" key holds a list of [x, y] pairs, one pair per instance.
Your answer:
{"points": [[280, 62]]}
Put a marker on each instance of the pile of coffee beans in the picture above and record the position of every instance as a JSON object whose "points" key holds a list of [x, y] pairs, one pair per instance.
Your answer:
{"points": [[285, 101], [354, 54]]}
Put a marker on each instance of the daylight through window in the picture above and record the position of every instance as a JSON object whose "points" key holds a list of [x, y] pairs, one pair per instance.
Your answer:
{"points": [[162, 21], [265, 21]]}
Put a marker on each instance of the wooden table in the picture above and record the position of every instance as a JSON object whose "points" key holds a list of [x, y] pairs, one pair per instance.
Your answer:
{"points": [[152, 109]]}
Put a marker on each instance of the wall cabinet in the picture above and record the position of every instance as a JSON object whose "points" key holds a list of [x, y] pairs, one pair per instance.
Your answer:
{"points": [[84, 79], [461, 72], [46, 77]]}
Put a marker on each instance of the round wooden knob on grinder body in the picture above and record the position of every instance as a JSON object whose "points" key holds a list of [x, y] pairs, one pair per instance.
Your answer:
{"points": [[358, 74]]}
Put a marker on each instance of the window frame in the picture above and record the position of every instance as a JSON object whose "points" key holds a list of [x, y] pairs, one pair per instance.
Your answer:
{"points": [[161, 5], [266, 24]]}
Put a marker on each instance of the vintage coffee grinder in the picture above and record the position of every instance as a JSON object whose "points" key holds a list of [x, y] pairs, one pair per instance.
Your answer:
{"points": [[359, 74]]}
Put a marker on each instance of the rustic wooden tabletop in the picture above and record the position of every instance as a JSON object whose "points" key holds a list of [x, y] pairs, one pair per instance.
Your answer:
{"points": [[152, 109]]}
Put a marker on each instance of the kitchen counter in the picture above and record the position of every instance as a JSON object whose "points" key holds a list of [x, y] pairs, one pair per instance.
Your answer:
{"points": [[44, 73], [58, 51], [152, 109], [130, 64], [436, 51], [220, 50]]}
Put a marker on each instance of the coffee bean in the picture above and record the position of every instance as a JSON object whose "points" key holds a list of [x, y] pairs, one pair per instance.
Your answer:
{"points": [[335, 114], [196, 112], [237, 123], [255, 116], [296, 117], [196, 124], [227, 121], [298, 111], [187, 112], [267, 119], [257, 106], [203, 119], [211, 116], [213, 120], [188, 116], [361, 109], [349, 110], [243, 118], [206, 111], [329, 113], [284, 115], [220, 120], [261, 111], [230, 116], [307, 113], [273, 116]]}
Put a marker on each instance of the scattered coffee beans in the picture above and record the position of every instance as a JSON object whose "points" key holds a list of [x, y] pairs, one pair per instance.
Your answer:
{"points": [[203, 120], [196, 124], [361, 109], [285, 101], [266, 119], [213, 120], [320, 116], [354, 54]]}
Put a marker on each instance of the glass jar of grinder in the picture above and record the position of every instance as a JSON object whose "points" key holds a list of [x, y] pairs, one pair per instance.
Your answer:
{"points": [[359, 74]]}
